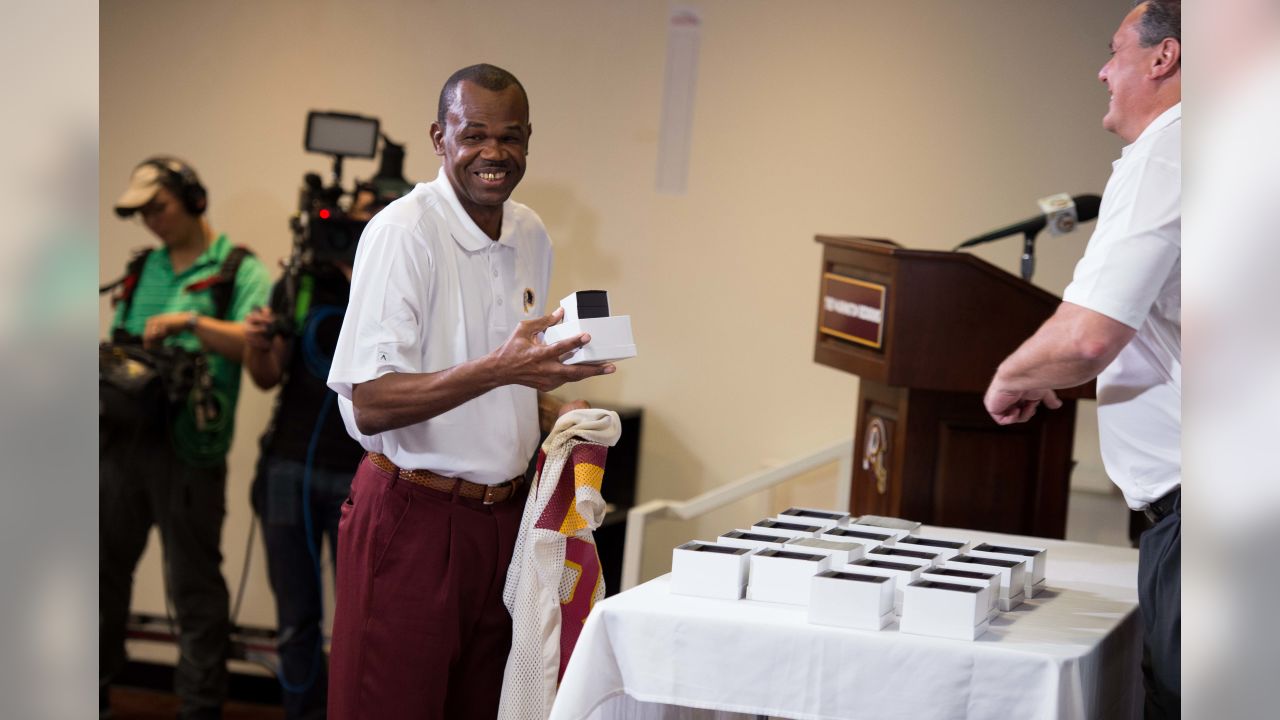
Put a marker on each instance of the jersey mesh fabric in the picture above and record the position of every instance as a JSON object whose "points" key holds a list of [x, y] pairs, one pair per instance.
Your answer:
{"points": [[555, 577]]}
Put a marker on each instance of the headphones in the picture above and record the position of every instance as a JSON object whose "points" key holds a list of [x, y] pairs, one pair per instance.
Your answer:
{"points": [[182, 181]]}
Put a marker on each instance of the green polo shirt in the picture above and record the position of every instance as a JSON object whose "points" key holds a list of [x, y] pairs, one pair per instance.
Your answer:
{"points": [[160, 290]]}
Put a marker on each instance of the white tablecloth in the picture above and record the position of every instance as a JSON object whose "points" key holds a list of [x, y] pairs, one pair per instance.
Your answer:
{"points": [[1073, 651]]}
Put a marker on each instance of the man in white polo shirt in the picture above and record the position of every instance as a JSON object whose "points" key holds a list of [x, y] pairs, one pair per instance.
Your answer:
{"points": [[1121, 322], [437, 369]]}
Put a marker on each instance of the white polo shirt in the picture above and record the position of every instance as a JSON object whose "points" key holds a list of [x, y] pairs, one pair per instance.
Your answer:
{"points": [[1132, 272], [430, 291]]}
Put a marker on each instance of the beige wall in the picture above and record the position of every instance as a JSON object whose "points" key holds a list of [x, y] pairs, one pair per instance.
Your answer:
{"points": [[921, 121]]}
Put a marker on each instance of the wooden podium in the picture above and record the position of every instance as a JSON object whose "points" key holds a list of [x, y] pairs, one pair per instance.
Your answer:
{"points": [[925, 331]]}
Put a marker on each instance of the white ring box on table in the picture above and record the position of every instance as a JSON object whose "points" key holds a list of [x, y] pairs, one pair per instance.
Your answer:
{"points": [[840, 552], [888, 522], [866, 537], [851, 599], [587, 311], [783, 576], [902, 573], [1012, 576], [946, 549], [1037, 562], [753, 540], [894, 527], [941, 609], [924, 557], [781, 527], [864, 544], [988, 579], [709, 570], [827, 519]]}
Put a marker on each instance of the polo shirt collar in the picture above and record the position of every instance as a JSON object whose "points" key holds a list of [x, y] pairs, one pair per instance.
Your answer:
{"points": [[212, 255], [467, 233], [1162, 121]]}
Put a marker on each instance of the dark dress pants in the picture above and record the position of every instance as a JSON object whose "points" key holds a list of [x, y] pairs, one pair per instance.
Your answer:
{"points": [[420, 631], [1160, 600], [141, 482]]}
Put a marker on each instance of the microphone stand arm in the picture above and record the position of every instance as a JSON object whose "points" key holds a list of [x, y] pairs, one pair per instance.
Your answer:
{"points": [[1028, 254]]}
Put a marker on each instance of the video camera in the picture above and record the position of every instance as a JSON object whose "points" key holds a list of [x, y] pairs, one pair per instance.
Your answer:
{"points": [[329, 221], [326, 228]]}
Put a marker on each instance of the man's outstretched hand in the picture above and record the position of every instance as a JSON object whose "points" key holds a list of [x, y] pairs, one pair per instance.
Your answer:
{"points": [[525, 360]]}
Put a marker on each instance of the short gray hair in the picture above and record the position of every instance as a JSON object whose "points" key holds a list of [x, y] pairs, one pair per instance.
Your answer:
{"points": [[1163, 19]]}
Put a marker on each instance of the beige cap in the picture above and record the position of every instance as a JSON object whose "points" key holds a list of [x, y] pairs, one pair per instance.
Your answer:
{"points": [[143, 184]]}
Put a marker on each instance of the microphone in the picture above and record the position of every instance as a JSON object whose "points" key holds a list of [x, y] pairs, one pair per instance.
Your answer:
{"points": [[1061, 213]]}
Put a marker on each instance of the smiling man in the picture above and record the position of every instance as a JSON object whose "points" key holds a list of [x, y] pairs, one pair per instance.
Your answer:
{"points": [[1121, 322], [437, 370]]}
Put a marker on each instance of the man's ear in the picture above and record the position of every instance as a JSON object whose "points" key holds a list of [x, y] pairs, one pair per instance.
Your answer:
{"points": [[528, 134], [1167, 59], [437, 138]]}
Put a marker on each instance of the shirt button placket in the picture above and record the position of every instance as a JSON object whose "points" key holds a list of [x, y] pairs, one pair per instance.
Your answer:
{"points": [[497, 284], [496, 325]]}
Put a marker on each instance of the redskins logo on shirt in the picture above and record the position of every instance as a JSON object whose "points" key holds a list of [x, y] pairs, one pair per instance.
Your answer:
{"points": [[528, 300]]}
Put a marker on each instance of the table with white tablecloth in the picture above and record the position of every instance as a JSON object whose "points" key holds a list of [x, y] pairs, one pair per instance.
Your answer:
{"points": [[1073, 651]]}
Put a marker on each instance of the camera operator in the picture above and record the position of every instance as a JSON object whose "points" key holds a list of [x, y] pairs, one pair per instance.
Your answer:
{"points": [[307, 461], [189, 295]]}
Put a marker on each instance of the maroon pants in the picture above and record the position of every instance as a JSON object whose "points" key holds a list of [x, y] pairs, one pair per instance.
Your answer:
{"points": [[419, 627]]}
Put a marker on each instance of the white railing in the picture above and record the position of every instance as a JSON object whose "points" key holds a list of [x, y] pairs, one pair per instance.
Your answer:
{"points": [[638, 517]]}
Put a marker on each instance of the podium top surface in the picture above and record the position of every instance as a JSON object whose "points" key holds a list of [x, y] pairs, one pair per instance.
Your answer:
{"points": [[938, 320], [892, 250]]}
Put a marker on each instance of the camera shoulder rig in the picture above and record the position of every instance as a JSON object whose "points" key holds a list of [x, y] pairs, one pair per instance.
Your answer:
{"points": [[221, 284]]}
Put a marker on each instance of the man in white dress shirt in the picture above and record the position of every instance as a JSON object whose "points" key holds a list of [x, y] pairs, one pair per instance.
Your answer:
{"points": [[1121, 322], [437, 370]]}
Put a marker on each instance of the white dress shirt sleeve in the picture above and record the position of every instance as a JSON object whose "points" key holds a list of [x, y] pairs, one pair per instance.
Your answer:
{"points": [[383, 328], [1137, 242]]}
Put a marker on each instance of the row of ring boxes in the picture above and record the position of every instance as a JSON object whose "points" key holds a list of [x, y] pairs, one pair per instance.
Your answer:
{"points": [[855, 574]]}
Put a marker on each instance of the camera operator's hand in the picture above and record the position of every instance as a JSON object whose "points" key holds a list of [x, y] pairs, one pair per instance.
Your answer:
{"points": [[257, 329], [265, 353], [525, 360], [162, 326]]}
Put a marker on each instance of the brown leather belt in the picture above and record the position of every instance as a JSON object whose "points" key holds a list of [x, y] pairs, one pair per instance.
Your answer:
{"points": [[489, 494]]}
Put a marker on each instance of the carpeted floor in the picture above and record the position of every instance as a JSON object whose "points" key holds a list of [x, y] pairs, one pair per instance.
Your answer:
{"points": [[134, 704]]}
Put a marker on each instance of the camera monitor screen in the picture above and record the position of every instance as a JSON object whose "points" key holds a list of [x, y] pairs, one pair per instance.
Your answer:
{"points": [[342, 134]]}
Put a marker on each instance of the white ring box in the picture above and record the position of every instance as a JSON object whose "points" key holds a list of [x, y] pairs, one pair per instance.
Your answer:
{"points": [[1012, 576], [752, 540], [941, 609], [710, 570], [893, 533], [791, 529], [841, 553], [851, 599], [866, 537], [924, 557], [903, 573], [946, 549], [809, 516], [863, 543], [587, 311], [988, 579], [1037, 562], [783, 576], [891, 525]]}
